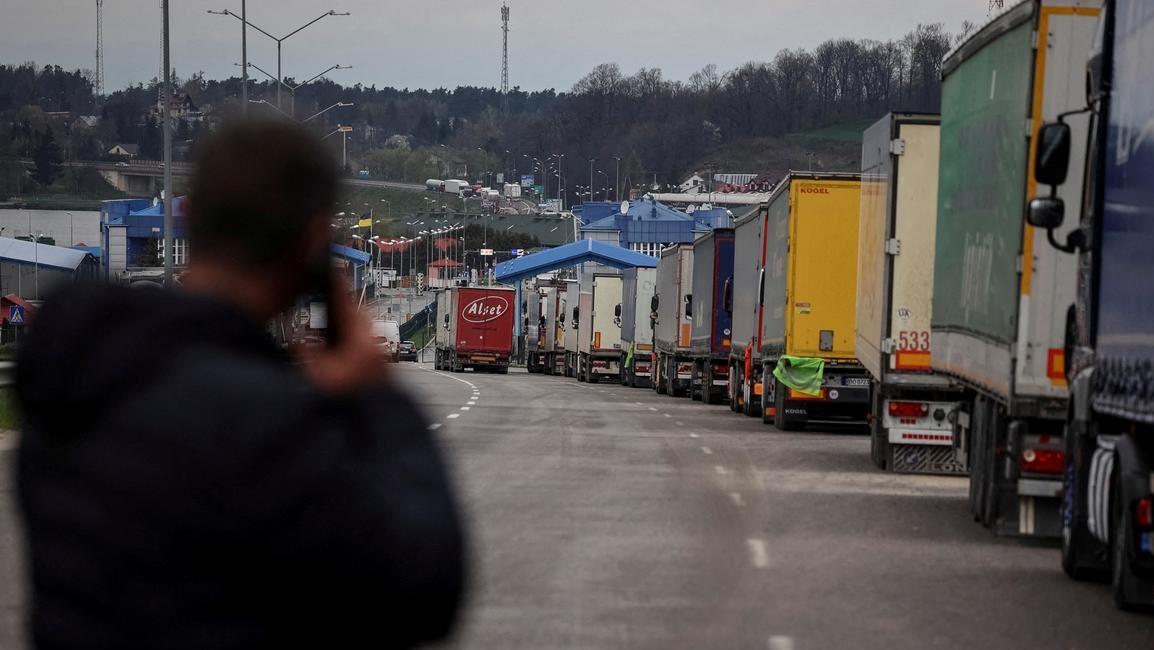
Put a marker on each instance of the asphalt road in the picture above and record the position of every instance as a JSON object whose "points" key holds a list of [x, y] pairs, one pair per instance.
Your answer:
{"points": [[608, 517], [413, 187]]}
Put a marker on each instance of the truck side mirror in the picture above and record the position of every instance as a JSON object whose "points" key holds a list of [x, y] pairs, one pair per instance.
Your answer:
{"points": [[1052, 156], [727, 296], [689, 305], [1046, 212], [446, 321], [653, 302], [617, 311]]}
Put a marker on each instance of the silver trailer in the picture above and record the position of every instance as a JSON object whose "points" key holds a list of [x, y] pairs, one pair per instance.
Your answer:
{"points": [[638, 289], [671, 334], [748, 279]]}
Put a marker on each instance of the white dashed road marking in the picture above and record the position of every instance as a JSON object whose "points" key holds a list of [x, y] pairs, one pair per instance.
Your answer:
{"points": [[758, 554], [720, 469], [434, 426], [737, 500], [694, 435], [652, 409], [707, 451], [454, 416], [779, 642], [466, 408]]}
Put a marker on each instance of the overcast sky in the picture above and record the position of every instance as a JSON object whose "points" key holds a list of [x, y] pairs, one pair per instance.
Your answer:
{"points": [[446, 43]]}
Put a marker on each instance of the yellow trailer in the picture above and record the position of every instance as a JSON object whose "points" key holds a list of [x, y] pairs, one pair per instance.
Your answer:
{"points": [[808, 294]]}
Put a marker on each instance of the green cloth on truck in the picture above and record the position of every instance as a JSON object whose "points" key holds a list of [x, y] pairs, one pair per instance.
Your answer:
{"points": [[802, 374], [629, 356]]}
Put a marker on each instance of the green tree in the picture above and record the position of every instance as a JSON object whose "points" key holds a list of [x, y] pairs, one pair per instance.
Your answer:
{"points": [[46, 157]]}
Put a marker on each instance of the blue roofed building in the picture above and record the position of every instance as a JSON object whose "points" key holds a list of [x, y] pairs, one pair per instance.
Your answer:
{"points": [[646, 226], [132, 233]]}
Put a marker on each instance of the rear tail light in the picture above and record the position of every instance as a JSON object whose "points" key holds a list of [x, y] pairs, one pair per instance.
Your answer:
{"points": [[1144, 513], [909, 409], [1043, 461]]}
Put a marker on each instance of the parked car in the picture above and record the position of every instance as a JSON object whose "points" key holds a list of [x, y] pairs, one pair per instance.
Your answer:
{"points": [[407, 351]]}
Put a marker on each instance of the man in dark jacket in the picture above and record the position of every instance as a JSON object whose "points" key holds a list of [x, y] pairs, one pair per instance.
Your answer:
{"points": [[185, 484]]}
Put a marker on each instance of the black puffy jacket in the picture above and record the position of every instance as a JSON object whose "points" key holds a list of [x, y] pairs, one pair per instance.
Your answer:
{"points": [[183, 486]]}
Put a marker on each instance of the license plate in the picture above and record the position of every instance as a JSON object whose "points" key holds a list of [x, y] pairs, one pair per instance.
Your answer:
{"points": [[857, 381]]}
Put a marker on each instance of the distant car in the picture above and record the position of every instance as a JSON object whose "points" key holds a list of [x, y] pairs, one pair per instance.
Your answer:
{"points": [[122, 164], [407, 351], [364, 173]]}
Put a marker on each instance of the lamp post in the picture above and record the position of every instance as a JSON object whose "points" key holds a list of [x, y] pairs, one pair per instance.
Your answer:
{"points": [[606, 183], [319, 113], [617, 180], [591, 161], [279, 41], [293, 89]]}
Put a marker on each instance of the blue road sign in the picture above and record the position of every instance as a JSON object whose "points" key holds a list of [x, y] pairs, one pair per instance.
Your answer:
{"points": [[16, 315]]}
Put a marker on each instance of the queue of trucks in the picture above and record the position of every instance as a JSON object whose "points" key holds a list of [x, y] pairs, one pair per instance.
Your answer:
{"points": [[942, 298]]}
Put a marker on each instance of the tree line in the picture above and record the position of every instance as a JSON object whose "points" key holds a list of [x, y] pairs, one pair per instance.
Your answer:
{"points": [[658, 127]]}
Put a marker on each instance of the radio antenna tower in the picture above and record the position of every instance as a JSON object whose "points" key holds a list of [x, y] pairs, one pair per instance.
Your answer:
{"points": [[505, 55], [98, 83]]}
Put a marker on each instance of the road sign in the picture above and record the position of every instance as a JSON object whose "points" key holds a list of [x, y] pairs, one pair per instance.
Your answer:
{"points": [[486, 252], [528, 180], [16, 315], [518, 252], [344, 129]]}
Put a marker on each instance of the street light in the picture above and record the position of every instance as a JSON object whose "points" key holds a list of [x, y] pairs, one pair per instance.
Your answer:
{"points": [[293, 89], [336, 105], [281, 40], [617, 180], [270, 105]]}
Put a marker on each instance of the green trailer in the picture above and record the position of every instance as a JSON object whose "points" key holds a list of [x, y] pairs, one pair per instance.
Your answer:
{"points": [[1001, 295]]}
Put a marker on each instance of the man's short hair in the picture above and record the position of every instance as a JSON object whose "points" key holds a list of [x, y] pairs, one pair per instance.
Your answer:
{"points": [[257, 185]]}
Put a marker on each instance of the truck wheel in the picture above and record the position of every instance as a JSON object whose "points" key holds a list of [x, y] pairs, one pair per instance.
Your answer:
{"points": [[504, 370], [731, 390], [748, 400], [580, 370], [879, 445], [673, 389], [707, 396], [589, 376], [658, 377], [696, 383], [1131, 593], [879, 438], [768, 398]]}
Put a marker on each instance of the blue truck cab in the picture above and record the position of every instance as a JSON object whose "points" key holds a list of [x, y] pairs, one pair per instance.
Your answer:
{"points": [[1108, 485]]}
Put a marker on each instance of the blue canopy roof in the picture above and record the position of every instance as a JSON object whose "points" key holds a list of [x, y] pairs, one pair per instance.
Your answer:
{"points": [[587, 250], [353, 255]]}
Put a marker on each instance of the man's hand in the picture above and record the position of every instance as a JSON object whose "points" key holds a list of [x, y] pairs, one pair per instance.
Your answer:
{"points": [[354, 360]]}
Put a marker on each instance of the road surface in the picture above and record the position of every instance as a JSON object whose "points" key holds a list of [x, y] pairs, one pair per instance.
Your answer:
{"points": [[608, 517], [413, 187]]}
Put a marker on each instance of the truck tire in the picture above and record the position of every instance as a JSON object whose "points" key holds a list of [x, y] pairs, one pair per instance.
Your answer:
{"points": [[579, 371], [503, 370], [748, 399], [589, 376], [879, 438], [658, 377], [696, 383], [707, 396], [734, 402], [766, 418], [1130, 592], [673, 389]]}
